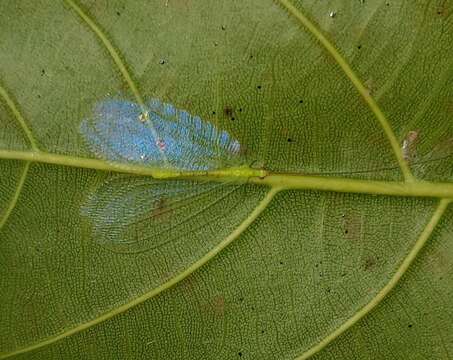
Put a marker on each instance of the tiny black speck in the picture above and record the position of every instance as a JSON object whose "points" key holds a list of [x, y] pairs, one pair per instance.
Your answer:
{"points": [[359, 47], [259, 86], [289, 140], [409, 326], [240, 354], [118, 13]]}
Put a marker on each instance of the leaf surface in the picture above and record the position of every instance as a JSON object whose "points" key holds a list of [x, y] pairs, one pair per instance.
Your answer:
{"points": [[342, 250]]}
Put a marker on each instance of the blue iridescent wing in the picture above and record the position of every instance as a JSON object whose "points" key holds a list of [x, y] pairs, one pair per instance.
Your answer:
{"points": [[165, 137]]}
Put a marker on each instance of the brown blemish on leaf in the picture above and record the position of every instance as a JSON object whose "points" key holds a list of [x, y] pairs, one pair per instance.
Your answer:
{"points": [[409, 146], [228, 111], [439, 262], [442, 10], [352, 225], [369, 264], [161, 211], [370, 86], [215, 305]]}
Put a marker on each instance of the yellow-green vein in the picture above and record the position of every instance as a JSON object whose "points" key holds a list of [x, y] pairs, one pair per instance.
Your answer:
{"points": [[421, 241], [15, 197], [255, 176], [356, 82], [114, 53], [182, 275], [19, 117]]}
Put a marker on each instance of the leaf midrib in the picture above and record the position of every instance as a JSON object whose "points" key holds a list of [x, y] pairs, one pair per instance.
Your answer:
{"points": [[282, 181]]}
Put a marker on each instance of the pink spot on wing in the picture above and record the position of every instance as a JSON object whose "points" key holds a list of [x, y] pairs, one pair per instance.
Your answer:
{"points": [[161, 144]]}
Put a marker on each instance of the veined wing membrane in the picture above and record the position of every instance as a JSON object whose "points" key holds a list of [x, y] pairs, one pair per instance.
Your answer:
{"points": [[159, 135], [133, 214]]}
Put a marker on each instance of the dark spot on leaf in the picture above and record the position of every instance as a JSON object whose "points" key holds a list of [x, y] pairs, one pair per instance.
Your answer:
{"points": [[251, 56], [289, 140], [369, 264], [359, 47], [259, 87], [232, 119], [213, 113], [241, 299], [161, 211], [223, 27], [281, 262], [118, 13], [240, 354], [352, 225], [228, 111], [43, 72], [240, 109], [409, 326], [301, 101], [262, 331], [162, 62]]}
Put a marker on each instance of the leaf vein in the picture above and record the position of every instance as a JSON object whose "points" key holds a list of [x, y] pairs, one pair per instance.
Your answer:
{"points": [[16, 195], [10, 103], [385, 125], [148, 295], [408, 260], [120, 63]]}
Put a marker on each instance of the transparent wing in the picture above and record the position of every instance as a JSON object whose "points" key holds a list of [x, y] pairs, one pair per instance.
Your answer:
{"points": [[132, 214], [166, 136]]}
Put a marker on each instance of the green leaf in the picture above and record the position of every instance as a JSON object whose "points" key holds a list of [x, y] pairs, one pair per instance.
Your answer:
{"points": [[333, 242]]}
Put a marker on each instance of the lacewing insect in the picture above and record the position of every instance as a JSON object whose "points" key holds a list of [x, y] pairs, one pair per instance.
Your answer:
{"points": [[128, 213], [162, 136]]}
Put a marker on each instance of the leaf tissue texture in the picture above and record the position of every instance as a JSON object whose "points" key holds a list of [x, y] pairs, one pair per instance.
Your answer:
{"points": [[261, 179]]}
